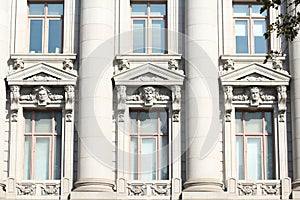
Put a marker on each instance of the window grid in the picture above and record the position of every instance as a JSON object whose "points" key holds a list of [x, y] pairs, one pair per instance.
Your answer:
{"points": [[148, 19], [263, 136], [45, 18], [251, 18], [158, 136], [33, 136]]}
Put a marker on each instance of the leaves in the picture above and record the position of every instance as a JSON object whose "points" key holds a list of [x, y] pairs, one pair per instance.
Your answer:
{"points": [[286, 24]]}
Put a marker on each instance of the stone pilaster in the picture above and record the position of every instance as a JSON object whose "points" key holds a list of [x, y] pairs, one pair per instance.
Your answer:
{"points": [[202, 98], [4, 55], [96, 147]]}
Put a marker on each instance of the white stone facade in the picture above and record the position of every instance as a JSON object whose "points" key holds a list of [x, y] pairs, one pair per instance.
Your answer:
{"points": [[100, 87]]}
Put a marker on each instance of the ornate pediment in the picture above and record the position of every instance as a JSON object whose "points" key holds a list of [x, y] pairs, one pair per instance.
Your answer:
{"points": [[255, 74], [149, 74], [42, 74]]}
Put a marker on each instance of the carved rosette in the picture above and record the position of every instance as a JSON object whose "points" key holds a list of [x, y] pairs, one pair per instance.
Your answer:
{"points": [[14, 98], [282, 96], [123, 65], [18, 64], [228, 65], [173, 64], [68, 64], [228, 97], [176, 96]]}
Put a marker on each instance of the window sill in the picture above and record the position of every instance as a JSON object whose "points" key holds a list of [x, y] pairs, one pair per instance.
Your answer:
{"points": [[43, 57]]}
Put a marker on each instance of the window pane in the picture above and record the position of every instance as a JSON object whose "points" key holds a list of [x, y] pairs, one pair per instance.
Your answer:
{"points": [[148, 159], [133, 122], [58, 120], [148, 121], [253, 121], [27, 157], [55, 36], [241, 36], [36, 36], [240, 157], [238, 122], [57, 157], [139, 36], [134, 158], [28, 122], [157, 9], [55, 9], [269, 159], [164, 122], [260, 43], [268, 122], [164, 150], [254, 159], [241, 10], [158, 36], [42, 159], [36, 9], [139, 9], [43, 122], [256, 10]]}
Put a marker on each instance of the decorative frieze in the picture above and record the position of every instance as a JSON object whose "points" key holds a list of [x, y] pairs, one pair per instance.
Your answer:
{"points": [[254, 95], [50, 189], [42, 95], [137, 189], [38, 189], [270, 189], [247, 189], [26, 189], [160, 189], [149, 95]]}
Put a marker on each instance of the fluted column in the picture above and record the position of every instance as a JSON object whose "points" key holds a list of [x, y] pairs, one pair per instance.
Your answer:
{"points": [[294, 58], [4, 56], [202, 98], [95, 131]]}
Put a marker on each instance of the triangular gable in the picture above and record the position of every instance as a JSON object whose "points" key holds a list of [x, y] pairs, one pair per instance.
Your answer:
{"points": [[255, 74], [149, 74], [42, 74]]}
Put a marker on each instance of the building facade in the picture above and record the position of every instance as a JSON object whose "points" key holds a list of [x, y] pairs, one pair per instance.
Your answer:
{"points": [[147, 99]]}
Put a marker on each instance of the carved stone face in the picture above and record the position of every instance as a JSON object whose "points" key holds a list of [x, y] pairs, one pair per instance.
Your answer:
{"points": [[42, 95], [149, 93], [255, 94]]}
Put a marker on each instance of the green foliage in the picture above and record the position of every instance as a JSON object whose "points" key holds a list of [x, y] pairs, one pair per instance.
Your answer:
{"points": [[286, 24]]}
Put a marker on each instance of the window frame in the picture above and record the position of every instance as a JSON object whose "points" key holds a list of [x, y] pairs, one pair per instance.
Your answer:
{"points": [[257, 135], [52, 142], [148, 18], [45, 18], [158, 136], [250, 27]]}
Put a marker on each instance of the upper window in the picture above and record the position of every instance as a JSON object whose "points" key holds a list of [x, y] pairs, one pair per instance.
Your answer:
{"points": [[250, 27], [148, 24], [255, 145], [42, 145], [149, 145], [46, 27]]}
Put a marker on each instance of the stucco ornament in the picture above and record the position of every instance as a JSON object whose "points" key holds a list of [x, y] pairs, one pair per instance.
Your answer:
{"points": [[123, 65], [228, 65], [121, 95], [68, 64], [254, 96], [42, 95], [14, 98], [228, 96], [173, 64], [69, 97], [18, 64]]}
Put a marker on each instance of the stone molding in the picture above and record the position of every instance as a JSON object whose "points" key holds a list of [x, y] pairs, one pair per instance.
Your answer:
{"points": [[94, 185], [203, 185]]}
